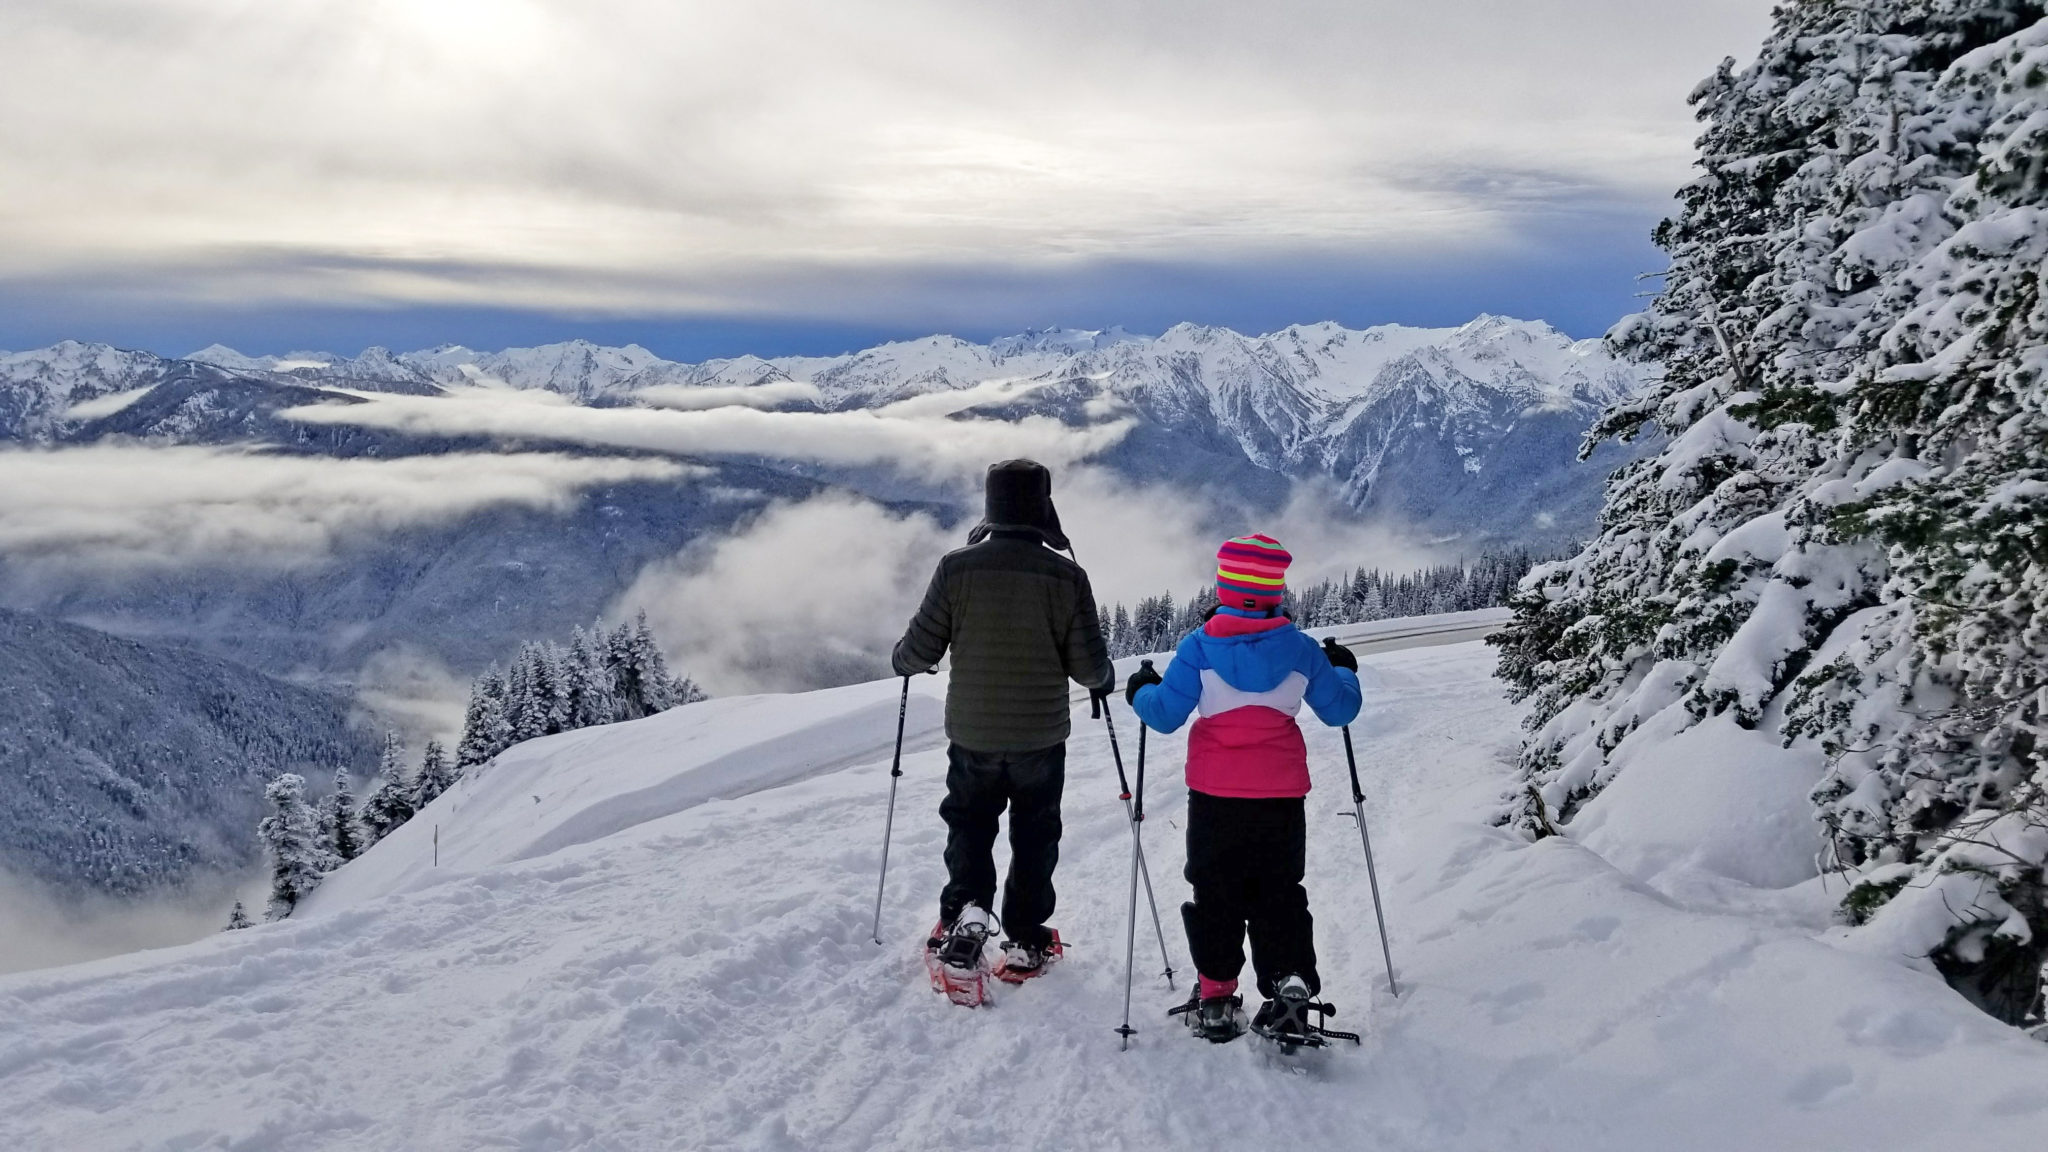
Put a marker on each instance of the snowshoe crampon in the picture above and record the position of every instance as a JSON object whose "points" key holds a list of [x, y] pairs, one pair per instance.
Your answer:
{"points": [[954, 957], [1219, 1019], [1021, 962], [1293, 1019]]}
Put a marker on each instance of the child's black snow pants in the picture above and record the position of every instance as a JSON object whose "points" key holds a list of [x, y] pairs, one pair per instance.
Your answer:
{"points": [[1245, 860], [978, 786]]}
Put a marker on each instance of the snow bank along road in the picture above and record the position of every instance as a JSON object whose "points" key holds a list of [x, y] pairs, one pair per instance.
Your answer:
{"points": [[655, 936]]}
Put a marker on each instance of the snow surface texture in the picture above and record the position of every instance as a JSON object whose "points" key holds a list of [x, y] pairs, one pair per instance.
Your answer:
{"points": [[703, 977]]}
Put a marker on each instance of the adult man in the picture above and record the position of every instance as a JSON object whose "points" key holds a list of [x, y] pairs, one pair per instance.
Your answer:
{"points": [[1020, 620]]}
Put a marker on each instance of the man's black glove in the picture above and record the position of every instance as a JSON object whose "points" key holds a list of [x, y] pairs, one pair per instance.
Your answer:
{"points": [[1097, 697], [1339, 655], [1143, 676]]}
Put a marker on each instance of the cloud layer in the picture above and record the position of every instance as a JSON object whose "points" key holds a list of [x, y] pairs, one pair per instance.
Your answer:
{"points": [[912, 437], [814, 594], [135, 505], [665, 156]]}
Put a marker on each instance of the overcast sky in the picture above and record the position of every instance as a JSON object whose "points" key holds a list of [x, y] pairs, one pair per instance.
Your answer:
{"points": [[787, 176]]}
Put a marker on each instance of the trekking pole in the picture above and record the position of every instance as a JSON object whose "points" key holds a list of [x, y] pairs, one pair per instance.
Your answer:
{"points": [[895, 773], [1134, 818], [1358, 814]]}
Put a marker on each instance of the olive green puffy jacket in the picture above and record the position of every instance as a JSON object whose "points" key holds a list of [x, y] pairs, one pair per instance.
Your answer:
{"points": [[1020, 619]]}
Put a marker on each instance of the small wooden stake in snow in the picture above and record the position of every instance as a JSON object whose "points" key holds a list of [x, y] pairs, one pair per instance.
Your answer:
{"points": [[437, 845]]}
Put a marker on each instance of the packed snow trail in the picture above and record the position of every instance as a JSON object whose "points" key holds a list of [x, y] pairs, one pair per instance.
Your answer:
{"points": [[704, 979]]}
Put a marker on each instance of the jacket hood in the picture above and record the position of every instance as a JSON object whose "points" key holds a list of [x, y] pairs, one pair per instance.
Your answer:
{"points": [[1253, 661]]}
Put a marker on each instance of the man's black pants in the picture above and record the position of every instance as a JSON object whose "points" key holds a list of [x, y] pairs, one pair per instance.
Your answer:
{"points": [[978, 786], [1245, 860]]}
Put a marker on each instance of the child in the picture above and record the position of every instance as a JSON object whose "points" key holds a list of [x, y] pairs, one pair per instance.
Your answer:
{"points": [[1248, 671]]}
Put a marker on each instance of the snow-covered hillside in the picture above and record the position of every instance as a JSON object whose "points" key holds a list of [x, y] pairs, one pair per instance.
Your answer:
{"points": [[127, 767], [655, 935]]}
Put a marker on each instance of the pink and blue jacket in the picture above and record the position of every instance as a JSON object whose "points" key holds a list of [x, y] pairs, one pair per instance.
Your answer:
{"points": [[1248, 676]]}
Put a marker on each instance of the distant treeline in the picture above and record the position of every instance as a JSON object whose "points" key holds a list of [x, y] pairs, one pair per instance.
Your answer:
{"points": [[598, 678], [1159, 622]]}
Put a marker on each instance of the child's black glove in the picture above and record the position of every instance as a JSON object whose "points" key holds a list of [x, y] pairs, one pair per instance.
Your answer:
{"points": [[1143, 676], [1339, 655]]}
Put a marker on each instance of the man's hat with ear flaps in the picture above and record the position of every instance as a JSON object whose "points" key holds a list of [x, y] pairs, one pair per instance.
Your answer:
{"points": [[1019, 495]]}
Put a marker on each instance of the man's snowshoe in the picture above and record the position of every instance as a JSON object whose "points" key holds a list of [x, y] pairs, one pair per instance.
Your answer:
{"points": [[954, 958], [1286, 1019], [1219, 1019], [1021, 962]]}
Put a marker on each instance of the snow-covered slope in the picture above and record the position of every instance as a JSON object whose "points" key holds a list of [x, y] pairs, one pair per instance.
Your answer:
{"points": [[694, 973], [126, 767]]}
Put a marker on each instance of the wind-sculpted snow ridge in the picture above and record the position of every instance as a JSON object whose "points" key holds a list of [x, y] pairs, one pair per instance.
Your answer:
{"points": [[693, 970]]}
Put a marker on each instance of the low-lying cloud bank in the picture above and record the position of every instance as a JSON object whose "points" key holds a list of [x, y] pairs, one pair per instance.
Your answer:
{"points": [[814, 594], [40, 928], [914, 437], [139, 505], [685, 398]]}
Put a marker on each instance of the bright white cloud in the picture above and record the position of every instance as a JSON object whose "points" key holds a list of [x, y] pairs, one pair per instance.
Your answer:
{"points": [[806, 595], [695, 155], [920, 444], [813, 594], [136, 505], [685, 398]]}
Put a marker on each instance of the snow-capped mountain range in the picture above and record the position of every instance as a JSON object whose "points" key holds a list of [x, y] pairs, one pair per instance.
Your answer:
{"points": [[1468, 431], [1467, 435]]}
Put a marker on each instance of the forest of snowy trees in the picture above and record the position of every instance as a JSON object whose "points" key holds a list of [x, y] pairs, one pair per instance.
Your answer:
{"points": [[1845, 541], [598, 678], [1159, 622]]}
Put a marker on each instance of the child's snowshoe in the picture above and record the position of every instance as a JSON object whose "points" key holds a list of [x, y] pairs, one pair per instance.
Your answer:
{"points": [[954, 958], [1219, 1019], [1021, 962], [1286, 1019]]}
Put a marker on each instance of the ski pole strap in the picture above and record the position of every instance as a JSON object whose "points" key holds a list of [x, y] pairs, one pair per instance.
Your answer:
{"points": [[1351, 757], [1122, 782], [902, 712], [1138, 812]]}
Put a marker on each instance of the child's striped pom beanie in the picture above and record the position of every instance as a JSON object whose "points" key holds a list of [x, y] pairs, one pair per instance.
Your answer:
{"points": [[1251, 573]]}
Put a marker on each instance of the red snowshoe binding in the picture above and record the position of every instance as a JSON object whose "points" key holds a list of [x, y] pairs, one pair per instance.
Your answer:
{"points": [[1021, 962], [954, 958]]}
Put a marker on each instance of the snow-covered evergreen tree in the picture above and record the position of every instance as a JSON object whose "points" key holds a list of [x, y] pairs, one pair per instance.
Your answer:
{"points": [[390, 803], [593, 696], [485, 731], [641, 676], [1841, 541], [291, 835], [435, 776], [238, 919], [338, 820]]}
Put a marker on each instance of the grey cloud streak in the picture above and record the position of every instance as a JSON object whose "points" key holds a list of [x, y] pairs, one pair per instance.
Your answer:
{"points": [[615, 155], [131, 505]]}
